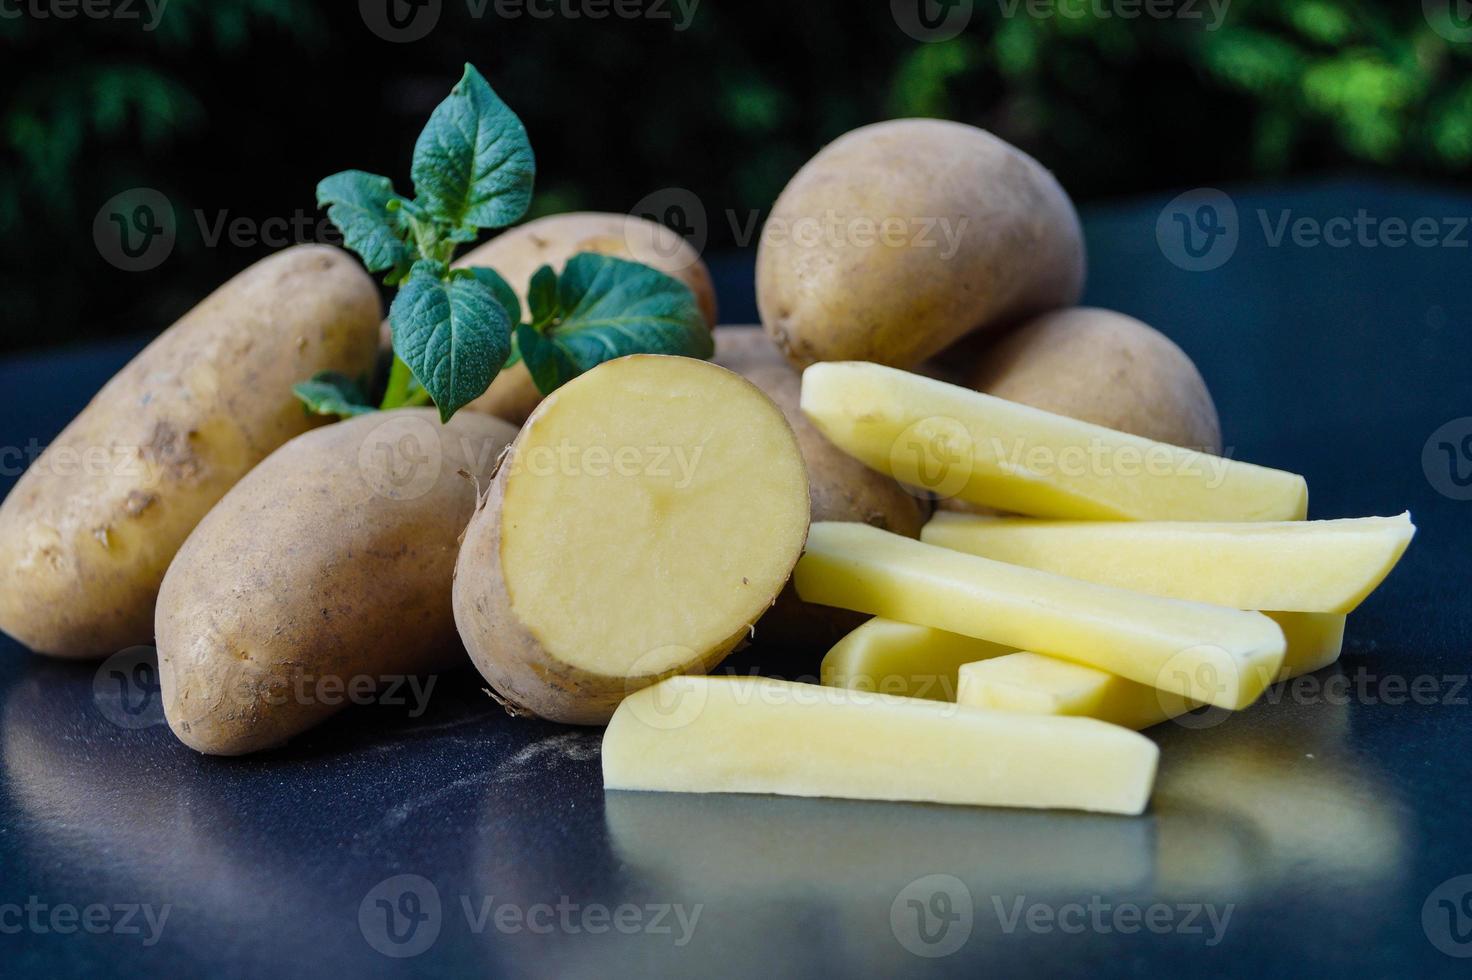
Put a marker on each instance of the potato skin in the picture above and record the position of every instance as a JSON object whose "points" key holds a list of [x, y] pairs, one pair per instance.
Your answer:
{"points": [[848, 294], [319, 564], [518, 253], [1103, 367], [841, 488], [84, 548]]}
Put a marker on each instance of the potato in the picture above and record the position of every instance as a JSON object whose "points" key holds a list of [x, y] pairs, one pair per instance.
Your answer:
{"points": [[1296, 566], [88, 531], [1013, 457], [649, 512], [760, 735], [1040, 685], [520, 252], [842, 488], [900, 238], [1209, 653], [326, 570], [1102, 367]]}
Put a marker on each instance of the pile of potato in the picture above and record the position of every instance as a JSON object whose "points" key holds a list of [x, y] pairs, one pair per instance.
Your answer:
{"points": [[923, 372]]}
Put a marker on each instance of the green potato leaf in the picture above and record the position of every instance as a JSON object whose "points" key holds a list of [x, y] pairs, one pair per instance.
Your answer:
{"points": [[473, 165], [333, 393], [605, 308], [502, 290], [359, 204], [541, 297], [452, 333]]}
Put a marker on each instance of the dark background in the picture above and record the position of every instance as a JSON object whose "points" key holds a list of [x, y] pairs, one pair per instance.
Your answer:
{"points": [[233, 109]]}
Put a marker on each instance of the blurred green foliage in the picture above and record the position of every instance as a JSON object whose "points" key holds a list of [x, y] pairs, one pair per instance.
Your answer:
{"points": [[239, 106]]}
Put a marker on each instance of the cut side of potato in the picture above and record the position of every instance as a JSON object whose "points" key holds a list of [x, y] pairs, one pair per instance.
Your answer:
{"points": [[1304, 566], [1032, 683], [758, 735], [647, 515], [1209, 653], [956, 442], [905, 660]]}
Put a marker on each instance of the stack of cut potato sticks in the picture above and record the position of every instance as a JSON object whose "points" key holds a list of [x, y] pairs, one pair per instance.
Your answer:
{"points": [[1011, 657]]}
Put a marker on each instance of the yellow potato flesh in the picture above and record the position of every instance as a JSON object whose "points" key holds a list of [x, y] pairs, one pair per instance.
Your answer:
{"points": [[988, 451], [1035, 684], [902, 659], [1303, 566], [758, 735], [650, 514], [1221, 656]]}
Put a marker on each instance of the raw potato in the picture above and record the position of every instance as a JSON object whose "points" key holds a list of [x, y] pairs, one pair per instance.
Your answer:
{"points": [[843, 489], [1019, 459], [758, 735], [900, 238], [1037, 684], [325, 572], [518, 253], [1107, 368], [88, 532], [1307, 566], [649, 513], [1222, 656], [890, 657]]}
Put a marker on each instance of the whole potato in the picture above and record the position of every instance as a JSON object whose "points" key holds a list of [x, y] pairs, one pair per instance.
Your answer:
{"points": [[328, 567], [1102, 367], [88, 531], [518, 253], [841, 489], [899, 238]]}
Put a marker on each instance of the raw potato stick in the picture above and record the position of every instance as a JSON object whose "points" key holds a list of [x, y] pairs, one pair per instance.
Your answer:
{"points": [[648, 514], [905, 660], [1037, 684], [996, 453], [758, 735], [1221, 656], [1303, 566]]}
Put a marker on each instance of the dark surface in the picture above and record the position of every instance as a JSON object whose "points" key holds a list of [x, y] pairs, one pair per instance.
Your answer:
{"points": [[1323, 823]]}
